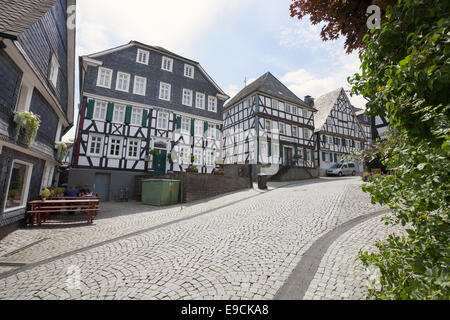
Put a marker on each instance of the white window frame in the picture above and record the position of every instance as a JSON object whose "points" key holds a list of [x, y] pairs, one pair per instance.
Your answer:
{"points": [[198, 158], [102, 140], [191, 97], [116, 119], [282, 125], [144, 53], [54, 71], [97, 106], [211, 131], [198, 125], [128, 77], [130, 144], [169, 61], [158, 123], [162, 86], [210, 158], [188, 74], [197, 96], [185, 129], [295, 131], [136, 78], [212, 103], [110, 144], [100, 69], [25, 189], [136, 117]]}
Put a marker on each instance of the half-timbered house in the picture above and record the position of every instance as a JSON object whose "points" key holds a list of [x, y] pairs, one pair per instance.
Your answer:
{"points": [[37, 65], [144, 110], [267, 124], [338, 130]]}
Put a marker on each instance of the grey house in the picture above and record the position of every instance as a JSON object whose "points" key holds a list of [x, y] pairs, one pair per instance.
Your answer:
{"points": [[144, 110], [37, 53]]}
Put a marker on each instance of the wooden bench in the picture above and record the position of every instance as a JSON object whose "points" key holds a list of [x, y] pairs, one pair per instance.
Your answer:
{"points": [[40, 208]]}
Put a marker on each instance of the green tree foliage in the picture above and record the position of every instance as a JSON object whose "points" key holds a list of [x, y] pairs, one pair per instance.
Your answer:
{"points": [[405, 75]]}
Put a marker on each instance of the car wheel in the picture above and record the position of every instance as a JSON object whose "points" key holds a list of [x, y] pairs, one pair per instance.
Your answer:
{"points": [[340, 174], [353, 173]]}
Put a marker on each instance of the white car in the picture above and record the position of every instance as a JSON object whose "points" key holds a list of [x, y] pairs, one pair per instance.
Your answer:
{"points": [[342, 169]]}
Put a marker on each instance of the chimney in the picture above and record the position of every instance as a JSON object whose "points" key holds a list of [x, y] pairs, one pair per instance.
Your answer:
{"points": [[309, 101]]}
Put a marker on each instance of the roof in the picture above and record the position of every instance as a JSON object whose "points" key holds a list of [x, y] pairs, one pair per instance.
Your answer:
{"points": [[324, 104], [16, 16], [270, 85], [160, 50]]}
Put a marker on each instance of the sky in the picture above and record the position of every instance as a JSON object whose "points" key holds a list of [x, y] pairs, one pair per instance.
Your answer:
{"points": [[234, 41]]}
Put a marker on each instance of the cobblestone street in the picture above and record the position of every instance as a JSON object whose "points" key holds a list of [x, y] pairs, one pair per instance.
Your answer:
{"points": [[244, 245]]}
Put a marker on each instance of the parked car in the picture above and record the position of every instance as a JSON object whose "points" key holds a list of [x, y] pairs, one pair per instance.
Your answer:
{"points": [[342, 169]]}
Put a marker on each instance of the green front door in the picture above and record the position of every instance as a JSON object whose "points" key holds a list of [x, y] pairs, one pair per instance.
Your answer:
{"points": [[159, 162]]}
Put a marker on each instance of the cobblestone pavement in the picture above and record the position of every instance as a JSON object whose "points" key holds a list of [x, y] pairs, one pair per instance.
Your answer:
{"points": [[240, 246]]}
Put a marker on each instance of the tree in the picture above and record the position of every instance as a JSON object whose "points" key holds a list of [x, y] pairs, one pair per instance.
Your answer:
{"points": [[342, 17]]}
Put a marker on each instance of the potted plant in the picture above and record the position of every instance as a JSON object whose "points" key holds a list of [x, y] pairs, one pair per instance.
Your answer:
{"points": [[60, 192], [192, 169], [154, 152], [27, 126], [45, 194], [12, 194], [61, 150]]}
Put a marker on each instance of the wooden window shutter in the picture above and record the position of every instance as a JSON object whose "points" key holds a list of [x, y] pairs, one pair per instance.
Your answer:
{"points": [[110, 112], [144, 117], [281, 150], [178, 123], [296, 151], [205, 128], [90, 109], [192, 127], [305, 154], [270, 148], [128, 114], [218, 132], [312, 156]]}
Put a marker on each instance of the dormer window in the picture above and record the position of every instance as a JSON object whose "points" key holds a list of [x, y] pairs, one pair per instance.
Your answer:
{"points": [[142, 56], [189, 71], [167, 64], [54, 71]]}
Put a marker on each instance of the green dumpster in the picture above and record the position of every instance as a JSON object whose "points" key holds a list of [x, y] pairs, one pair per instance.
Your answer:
{"points": [[160, 192]]}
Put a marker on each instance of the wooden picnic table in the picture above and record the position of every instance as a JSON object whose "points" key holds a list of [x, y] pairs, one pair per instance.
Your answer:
{"points": [[39, 208]]}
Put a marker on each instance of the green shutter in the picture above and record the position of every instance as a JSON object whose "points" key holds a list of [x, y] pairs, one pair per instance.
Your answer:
{"points": [[192, 127], [270, 148], [178, 123], [90, 109], [205, 128], [281, 151], [218, 132], [110, 112], [144, 117], [312, 156], [305, 155], [128, 114], [296, 151]]}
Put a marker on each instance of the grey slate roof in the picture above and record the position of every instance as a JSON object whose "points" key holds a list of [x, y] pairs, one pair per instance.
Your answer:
{"points": [[16, 16], [324, 104], [270, 85]]}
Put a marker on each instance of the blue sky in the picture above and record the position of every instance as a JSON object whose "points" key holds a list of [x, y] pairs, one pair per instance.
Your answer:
{"points": [[232, 40]]}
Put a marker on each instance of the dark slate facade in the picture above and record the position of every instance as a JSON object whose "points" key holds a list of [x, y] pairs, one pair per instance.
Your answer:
{"points": [[31, 46], [125, 61]]}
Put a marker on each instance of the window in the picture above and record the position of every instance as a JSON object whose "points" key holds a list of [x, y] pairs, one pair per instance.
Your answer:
{"points": [[167, 64], [133, 149], [95, 145], [185, 155], [294, 110], [142, 56], [185, 125], [211, 131], [306, 134], [200, 100], [163, 121], [212, 104], [281, 106], [288, 108], [100, 110], [164, 91], [263, 149], [119, 114], [282, 128], [104, 77], [268, 125], [136, 117], [294, 131], [305, 114], [210, 158], [187, 97], [123, 81], [54, 71], [189, 71], [115, 147], [198, 128], [140, 85], [19, 181], [198, 153]]}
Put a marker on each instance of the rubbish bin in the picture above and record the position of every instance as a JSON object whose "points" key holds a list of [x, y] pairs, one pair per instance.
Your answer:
{"points": [[160, 192], [262, 181]]}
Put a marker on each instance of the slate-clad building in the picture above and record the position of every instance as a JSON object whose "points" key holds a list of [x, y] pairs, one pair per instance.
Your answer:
{"points": [[144, 110], [338, 129], [267, 124], [37, 54]]}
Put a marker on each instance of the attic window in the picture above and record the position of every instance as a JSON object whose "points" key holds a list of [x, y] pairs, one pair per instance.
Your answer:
{"points": [[142, 56], [54, 71]]}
